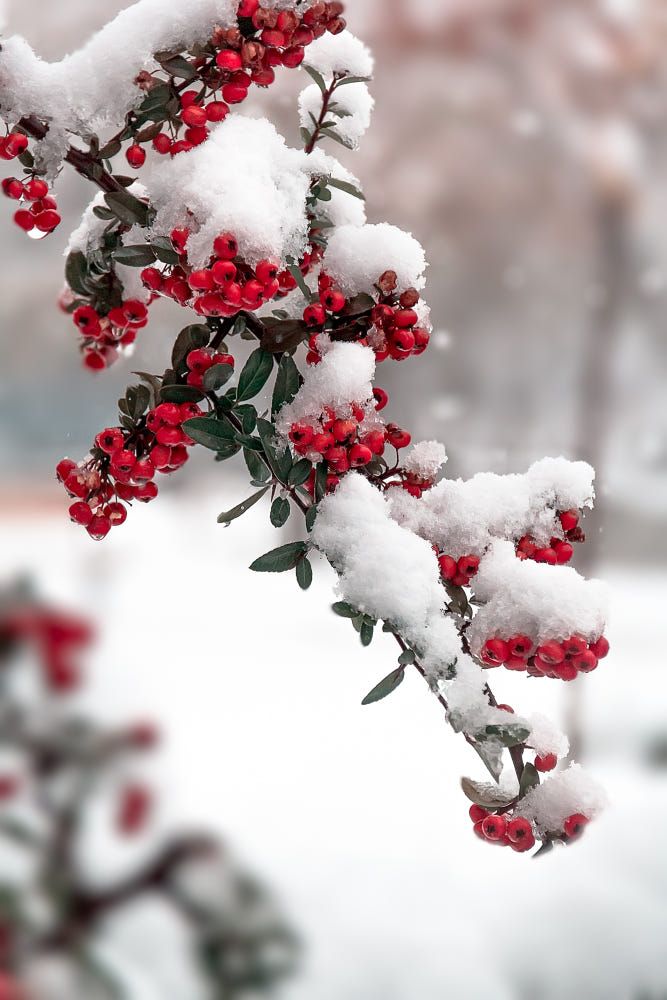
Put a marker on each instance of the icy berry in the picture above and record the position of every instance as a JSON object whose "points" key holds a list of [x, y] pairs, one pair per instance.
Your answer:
{"points": [[546, 762], [574, 824], [494, 827], [495, 652]]}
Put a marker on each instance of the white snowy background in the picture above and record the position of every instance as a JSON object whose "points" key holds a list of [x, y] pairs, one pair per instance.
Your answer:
{"points": [[354, 816]]}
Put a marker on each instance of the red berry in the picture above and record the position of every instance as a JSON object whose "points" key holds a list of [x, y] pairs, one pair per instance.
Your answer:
{"points": [[574, 646], [468, 565], [520, 645], [24, 220], [381, 398], [134, 808], [194, 115], [586, 662], [146, 492], [569, 519], [123, 460], [519, 829], [359, 455], [229, 60], [266, 271], [225, 246], [314, 315], [564, 552], [397, 437], [234, 93], [199, 360], [143, 471], [551, 652], [375, 441], [546, 762], [600, 647], [574, 824], [402, 341], [494, 827], [332, 300], [64, 468], [110, 440], [12, 188], [217, 111], [477, 813], [404, 318], [136, 155], [495, 652], [116, 513], [448, 567], [162, 143], [301, 434], [293, 56], [99, 527], [151, 278], [81, 513]]}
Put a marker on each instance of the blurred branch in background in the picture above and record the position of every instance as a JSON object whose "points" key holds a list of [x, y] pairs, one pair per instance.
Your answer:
{"points": [[55, 764]]}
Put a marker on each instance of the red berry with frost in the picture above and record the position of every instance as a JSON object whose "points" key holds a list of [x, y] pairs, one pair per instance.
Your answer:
{"points": [[359, 455], [146, 492], [225, 246], [314, 315], [99, 527], [229, 60], [495, 652], [397, 437], [586, 662], [194, 114], [301, 434], [344, 430], [81, 513], [520, 645], [569, 519], [375, 441], [266, 271], [574, 824], [551, 652], [116, 512], [333, 300], [381, 398], [64, 468], [110, 440], [151, 278], [546, 762], [448, 567], [574, 646], [468, 565]]}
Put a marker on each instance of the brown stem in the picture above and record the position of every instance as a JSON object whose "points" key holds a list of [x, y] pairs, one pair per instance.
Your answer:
{"points": [[326, 100], [86, 164]]}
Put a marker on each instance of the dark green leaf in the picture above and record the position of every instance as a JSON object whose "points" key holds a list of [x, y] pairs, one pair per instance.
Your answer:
{"points": [[280, 511], [103, 213], [76, 272], [344, 610], [299, 472], [510, 735], [278, 457], [181, 394], [353, 79], [288, 383], [255, 374], [127, 208], [320, 481], [305, 135], [366, 633], [281, 559], [530, 778], [407, 657], [111, 149], [311, 517], [317, 77], [167, 255], [247, 414], [179, 67], [295, 271], [210, 433], [347, 187], [217, 376], [385, 687], [304, 573], [230, 515], [135, 256], [256, 466]]}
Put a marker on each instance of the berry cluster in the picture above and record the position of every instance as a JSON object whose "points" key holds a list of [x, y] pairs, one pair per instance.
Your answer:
{"points": [[42, 214], [563, 660], [225, 286], [123, 466], [237, 60], [517, 832], [559, 550], [393, 330], [201, 360], [104, 336], [457, 571]]}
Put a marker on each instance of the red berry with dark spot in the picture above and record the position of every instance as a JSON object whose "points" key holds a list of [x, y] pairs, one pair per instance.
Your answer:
{"points": [[574, 824]]}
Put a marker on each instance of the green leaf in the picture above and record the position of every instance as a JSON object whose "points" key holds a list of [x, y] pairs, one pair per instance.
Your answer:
{"points": [[317, 77], [281, 559], [407, 657], [217, 376], [510, 735], [181, 394], [127, 208], [76, 272], [484, 794], [209, 432], [295, 271], [353, 79], [279, 458], [385, 687], [288, 383], [190, 337], [530, 778], [138, 399], [320, 481], [304, 573], [103, 213], [165, 254], [179, 67], [305, 135], [299, 472], [280, 511], [366, 634], [256, 466], [230, 515], [311, 517], [247, 414], [344, 610], [255, 374], [134, 256], [347, 187]]}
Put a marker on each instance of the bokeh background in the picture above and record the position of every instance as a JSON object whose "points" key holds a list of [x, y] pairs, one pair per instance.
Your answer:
{"points": [[524, 143]]}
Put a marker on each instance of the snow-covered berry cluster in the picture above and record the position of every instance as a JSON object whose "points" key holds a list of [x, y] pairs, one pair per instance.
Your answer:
{"points": [[271, 244]]}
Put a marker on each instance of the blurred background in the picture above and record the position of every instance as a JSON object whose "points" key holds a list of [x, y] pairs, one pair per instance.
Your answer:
{"points": [[524, 144]]}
